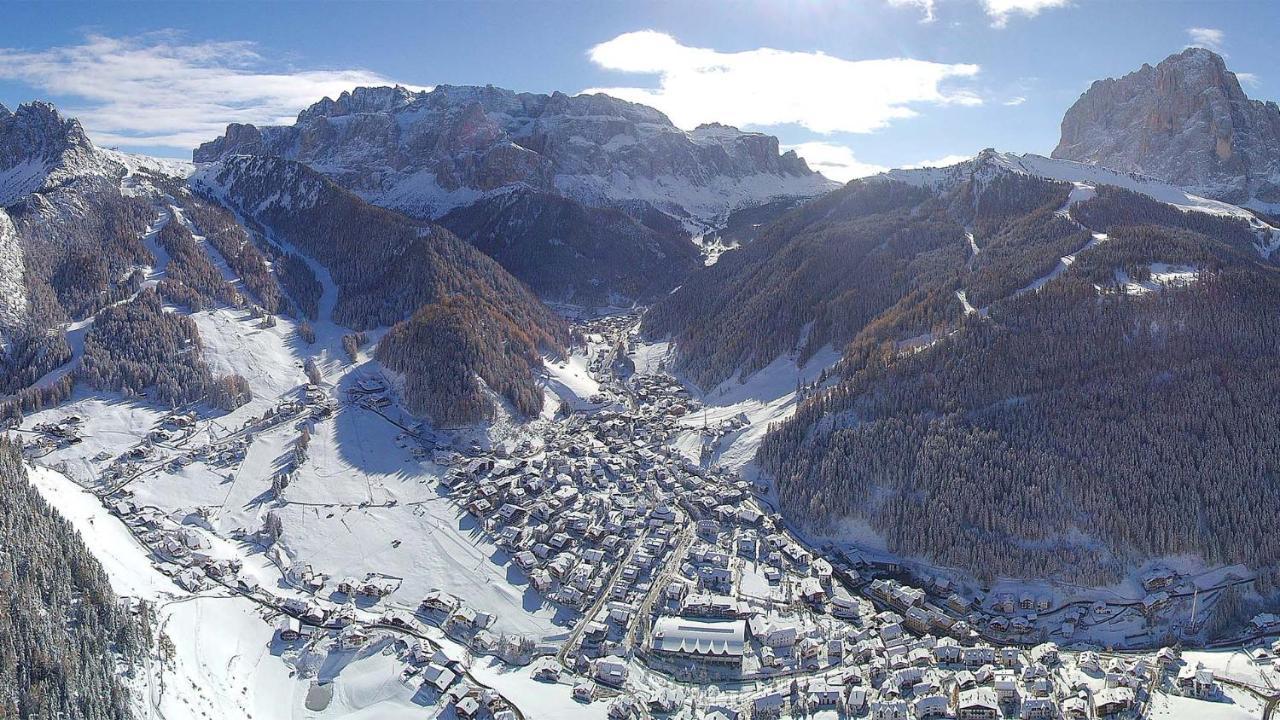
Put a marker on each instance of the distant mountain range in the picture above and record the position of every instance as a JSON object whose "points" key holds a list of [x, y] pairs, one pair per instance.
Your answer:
{"points": [[586, 198]]}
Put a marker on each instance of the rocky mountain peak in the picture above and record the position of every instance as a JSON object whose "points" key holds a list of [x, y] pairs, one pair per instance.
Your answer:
{"points": [[361, 100], [36, 130], [38, 147], [426, 153], [1186, 121]]}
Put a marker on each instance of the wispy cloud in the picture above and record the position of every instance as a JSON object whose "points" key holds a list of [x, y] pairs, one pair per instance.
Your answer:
{"points": [[944, 161], [1001, 10], [839, 163], [766, 87], [158, 90], [1204, 37], [1250, 79], [835, 161], [926, 8], [1014, 101]]}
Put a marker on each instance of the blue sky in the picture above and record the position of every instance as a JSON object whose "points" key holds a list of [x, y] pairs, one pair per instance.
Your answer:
{"points": [[855, 84]]}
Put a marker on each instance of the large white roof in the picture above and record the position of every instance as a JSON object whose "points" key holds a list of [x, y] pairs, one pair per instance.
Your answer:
{"points": [[674, 634]]}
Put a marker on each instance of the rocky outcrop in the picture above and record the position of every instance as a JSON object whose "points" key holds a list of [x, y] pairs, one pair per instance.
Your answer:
{"points": [[1186, 121], [425, 153], [40, 150]]}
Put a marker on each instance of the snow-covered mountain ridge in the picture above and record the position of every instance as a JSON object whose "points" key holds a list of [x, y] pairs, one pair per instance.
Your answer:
{"points": [[425, 153], [989, 162]]}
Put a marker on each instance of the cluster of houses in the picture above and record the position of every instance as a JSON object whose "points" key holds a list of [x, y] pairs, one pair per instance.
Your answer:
{"points": [[652, 552]]}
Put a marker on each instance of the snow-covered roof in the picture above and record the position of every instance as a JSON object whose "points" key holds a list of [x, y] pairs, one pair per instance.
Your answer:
{"points": [[703, 637]]}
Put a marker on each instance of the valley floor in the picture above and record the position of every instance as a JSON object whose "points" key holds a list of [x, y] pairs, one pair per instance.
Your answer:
{"points": [[229, 528]]}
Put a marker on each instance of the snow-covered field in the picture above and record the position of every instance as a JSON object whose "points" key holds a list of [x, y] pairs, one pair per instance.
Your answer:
{"points": [[761, 399], [360, 502]]}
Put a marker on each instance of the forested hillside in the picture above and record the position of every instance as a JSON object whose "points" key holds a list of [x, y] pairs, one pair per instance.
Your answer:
{"points": [[568, 251], [393, 271], [879, 259], [1090, 423], [66, 643], [1114, 408], [137, 347]]}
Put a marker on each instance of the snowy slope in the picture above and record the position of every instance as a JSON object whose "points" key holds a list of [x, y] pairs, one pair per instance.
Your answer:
{"points": [[990, 161]]}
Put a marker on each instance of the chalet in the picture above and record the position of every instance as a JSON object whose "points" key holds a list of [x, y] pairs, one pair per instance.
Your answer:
{"points": [[1158, 579], [1038, 708], [1156, 600], [1195, 681], [1045, 654], [931, 706], [1006, 686], [1075, 708], [289, 629], [438, 677], [822, 571], [439, 601], [977, 704], [467, 707], [352, 637], [977, 655], [396, 618], [812, 591], [855, 699], [890, 710], [770, 703], [821, 694], [845, 608], [1112, 701], [611, 671], [708, 529]]}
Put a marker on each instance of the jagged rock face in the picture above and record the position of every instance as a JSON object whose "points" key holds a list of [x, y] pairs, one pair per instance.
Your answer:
{"points": [[425, 153], [39, 149], [1186, 121]]}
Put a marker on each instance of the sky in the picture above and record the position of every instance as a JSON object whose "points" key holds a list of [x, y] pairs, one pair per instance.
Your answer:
{"points": [[855, 86]]}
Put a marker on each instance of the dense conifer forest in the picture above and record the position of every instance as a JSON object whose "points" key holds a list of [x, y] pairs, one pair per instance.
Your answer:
{"points": [[67, 645], [137, 347], [565, 250], [418, 278], [1067, 431]]}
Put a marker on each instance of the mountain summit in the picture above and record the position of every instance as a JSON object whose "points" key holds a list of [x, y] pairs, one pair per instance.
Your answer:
{"points": [[425, 153], [38, 147], [588, 199], [1186, 121]]}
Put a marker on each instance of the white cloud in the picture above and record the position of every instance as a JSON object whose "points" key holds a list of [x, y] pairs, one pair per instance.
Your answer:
{"points": [[157, 90], [1248, 78], [835, 161], [1210, 38], [764, 87], [1015, 101], [838, 162], [926, 6], [944, 161], [1000, 10]]}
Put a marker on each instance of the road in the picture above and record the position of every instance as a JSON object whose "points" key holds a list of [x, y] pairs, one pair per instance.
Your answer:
{"points": [[683, 541]]}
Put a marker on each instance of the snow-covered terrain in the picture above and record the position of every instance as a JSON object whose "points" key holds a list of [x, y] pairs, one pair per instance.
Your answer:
{"points": [[1083, 175], [595, 149]]}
